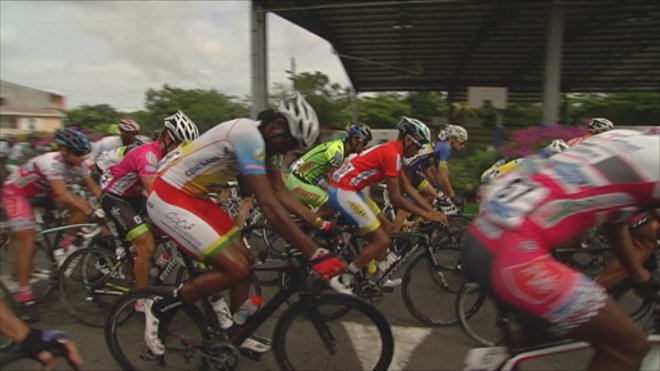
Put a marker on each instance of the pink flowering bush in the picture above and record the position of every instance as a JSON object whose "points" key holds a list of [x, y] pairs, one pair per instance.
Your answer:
{"points": [[530, 140]]}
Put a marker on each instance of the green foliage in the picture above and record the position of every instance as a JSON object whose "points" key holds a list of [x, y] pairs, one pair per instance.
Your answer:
{"points": [[95, 118], [205, 107], [621, 108], [465, 171], [383, 110], [523, 114], [461, 112], [426, 105]]}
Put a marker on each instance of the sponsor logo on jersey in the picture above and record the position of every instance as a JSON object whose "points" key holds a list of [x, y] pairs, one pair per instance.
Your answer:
{"points": [[537, 281], [201, 165], [357, 209], [151, 158], [554, 212], [259, 154], [570, 174]]}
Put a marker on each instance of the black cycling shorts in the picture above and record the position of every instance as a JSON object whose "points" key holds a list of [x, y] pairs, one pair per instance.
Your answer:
{"points": [[127, 213]]}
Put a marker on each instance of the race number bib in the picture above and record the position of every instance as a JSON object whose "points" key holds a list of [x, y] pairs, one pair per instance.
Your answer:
{"points": [[512, 199]]}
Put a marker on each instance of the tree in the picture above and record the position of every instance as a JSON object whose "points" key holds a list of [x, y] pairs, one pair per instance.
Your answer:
{"points": [[461, 113], [383, 110], [205, 107], [426, 105], [95, 118]]}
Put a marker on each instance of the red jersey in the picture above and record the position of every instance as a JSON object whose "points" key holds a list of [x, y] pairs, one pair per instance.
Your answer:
{"points": [[370, 167]]}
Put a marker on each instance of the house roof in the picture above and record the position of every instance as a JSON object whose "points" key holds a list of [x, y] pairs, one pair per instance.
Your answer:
{"points": [[448, 45], [36, 112]]}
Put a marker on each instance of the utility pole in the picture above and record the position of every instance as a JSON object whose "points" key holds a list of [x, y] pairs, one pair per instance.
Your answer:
{"points": [[292, 73]]}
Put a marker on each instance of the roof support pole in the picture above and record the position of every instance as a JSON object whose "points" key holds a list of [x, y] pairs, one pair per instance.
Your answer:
{"points": [[258, 60], [552, 71]]}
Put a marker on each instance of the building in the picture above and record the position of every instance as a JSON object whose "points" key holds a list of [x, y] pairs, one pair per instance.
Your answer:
{"points": [[24, 109]]}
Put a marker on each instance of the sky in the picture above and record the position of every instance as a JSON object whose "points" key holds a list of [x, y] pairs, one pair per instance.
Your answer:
{"points": [[111, 52]]}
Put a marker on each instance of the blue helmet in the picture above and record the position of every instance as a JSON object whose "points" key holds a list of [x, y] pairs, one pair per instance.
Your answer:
{"points": [[361, 131], [74, 140]]}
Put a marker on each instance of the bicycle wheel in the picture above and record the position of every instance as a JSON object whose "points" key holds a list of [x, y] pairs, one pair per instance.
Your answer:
{"points": [[90, 281], [6, 343], [430, 286], [183, 335], [477, 313], [360, 339]]}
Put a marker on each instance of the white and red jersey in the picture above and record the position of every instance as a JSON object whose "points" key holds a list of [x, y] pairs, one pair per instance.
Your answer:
{"points": [[103, 145], [206, 164], [607, 178], [32, 178], [123, 179], [369, 167]]}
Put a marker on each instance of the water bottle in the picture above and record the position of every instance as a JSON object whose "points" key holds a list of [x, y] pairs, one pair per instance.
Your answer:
{"points": [[160, 264], [248, 308], [221, 309]]}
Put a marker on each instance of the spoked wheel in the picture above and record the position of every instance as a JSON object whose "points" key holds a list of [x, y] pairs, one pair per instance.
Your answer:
{"points": [[477, 313]]}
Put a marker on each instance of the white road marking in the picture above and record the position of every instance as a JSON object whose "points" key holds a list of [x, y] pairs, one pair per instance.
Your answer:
{"points": [[406, 340]]}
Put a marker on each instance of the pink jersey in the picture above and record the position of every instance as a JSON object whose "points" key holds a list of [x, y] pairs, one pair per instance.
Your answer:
{"points": [[123, 179], [607, 178], [32, 178], [369, 167]]}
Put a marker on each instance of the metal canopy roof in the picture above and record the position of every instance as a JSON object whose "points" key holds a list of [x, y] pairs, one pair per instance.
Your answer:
{"points": [[609, 45]]}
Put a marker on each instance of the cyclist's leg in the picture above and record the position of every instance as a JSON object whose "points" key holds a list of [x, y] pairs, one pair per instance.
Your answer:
{"points": [[246, 204], [645, 242]]}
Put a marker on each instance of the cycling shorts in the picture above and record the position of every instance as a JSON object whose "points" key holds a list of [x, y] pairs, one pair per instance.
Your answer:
{"points": [[18, 211], [525, 277], [309, 194], [243, 188], [355, 207], [127, 214], [200, 227]]}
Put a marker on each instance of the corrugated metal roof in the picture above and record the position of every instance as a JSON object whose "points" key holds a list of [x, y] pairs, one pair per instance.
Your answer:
{"points": [[609, 45]]}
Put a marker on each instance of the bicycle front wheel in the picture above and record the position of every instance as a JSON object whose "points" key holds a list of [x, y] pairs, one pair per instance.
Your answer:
{"points": [[182, 332], [304, 339], [90, 280], [477, 312], [430, 286]]}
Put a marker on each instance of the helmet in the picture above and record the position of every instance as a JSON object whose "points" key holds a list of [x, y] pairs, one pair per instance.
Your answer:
{"points": [[73, 140], [599, 125], [361, 131], [303, 123], [129, 126], [556, 146], [454, 131], [182, 128], [417, 130]]}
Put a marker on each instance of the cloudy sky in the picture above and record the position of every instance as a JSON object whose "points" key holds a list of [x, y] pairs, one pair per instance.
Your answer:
{"points": [[97, 52]]}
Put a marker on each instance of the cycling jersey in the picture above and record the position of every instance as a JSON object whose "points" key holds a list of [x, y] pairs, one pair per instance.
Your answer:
{"points": [[110, 158], [577, 140], [123, 179], [103, 145], [315, 163], [369, 167], [216, 157], [545, 203], [443, 151], [30, 183]]}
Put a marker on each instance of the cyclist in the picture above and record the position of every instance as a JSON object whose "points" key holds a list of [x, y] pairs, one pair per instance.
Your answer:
{"points": [[451, 138], [21, 152], [126, 184], [178, 205], [128, 130], [112, 157], [382, 162], [42, 346], [308, 179], [43, 179], [552, 203], [595, 126]]}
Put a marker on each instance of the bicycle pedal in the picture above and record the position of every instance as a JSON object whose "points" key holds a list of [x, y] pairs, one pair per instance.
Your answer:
{"points": [[387, 289], [251, 354]]}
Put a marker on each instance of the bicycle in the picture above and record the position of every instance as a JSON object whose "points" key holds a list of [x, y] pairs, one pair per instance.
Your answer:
{"points": [[91, 280], [478, 311], [510, 357], [194, 340]]}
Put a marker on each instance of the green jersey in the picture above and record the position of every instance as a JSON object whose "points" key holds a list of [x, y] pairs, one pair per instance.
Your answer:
{"points": [[315, 163]]}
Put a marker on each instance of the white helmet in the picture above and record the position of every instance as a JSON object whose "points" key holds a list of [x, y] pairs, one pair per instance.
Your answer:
{"points": [[303, 123], [556, 146], [182, 128], [129, 125], [416, 129], [454, 131], [599, 125]]}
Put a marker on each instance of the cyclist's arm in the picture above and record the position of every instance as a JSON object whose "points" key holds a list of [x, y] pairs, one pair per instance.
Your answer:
{"points": [[397, 199], [61, 192], [443, 179], [273, 210], [408, 189], [92, 186], [287, 199], [618, 235], [147, 182]]}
